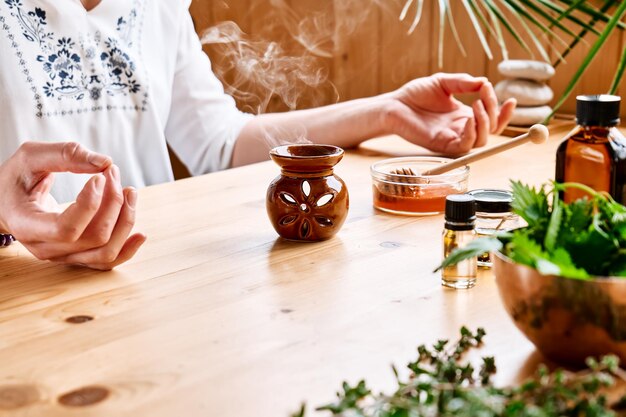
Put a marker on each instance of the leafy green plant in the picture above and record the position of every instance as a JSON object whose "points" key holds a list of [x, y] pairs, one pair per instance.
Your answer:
{"points": [[537, 20], [576, 240], [441, 383]]}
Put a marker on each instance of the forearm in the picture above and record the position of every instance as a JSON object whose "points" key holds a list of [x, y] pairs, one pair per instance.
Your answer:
{"points": [[344, 124]]}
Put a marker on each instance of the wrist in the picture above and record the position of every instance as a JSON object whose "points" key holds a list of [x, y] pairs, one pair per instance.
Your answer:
{"points": [[376, 114], [389, 113]]}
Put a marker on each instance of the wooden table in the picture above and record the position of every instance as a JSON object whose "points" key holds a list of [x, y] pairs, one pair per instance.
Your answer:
{"points": [[216, 316]]}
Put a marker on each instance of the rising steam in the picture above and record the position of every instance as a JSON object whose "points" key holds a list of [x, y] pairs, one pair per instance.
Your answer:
{"points": [[293, 70], [255, 71]]}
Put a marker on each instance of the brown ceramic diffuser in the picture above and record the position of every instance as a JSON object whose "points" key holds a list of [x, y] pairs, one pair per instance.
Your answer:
{"points": [[307, 202]]}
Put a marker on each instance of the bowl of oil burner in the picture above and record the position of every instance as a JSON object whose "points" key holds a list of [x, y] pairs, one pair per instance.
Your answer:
{"points": [[400, 187], [307, 201]]}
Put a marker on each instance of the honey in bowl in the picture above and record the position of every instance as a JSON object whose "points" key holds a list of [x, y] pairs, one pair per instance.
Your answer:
{"points": [[400, 188]]}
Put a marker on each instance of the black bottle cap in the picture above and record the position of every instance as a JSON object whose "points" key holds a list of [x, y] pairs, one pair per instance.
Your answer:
{"points": [[597, 110], [460, 208], [492, 201]]}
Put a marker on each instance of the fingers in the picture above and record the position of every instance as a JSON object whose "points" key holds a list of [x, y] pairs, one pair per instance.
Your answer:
{"points": [[80, 214], [94, 230], [482, 123], [506, 112], [450, 142], [460, 83], [43, 226], [119, 247], [490, 103], [477, 129], [475, 132], [43, 187], [99, 230], [465, 83], [129, 250], [88, 222], [61, 157], [469, 133]]}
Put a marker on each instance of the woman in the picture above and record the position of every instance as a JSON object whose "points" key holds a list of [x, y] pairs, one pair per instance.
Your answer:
{"points": [[125, 77]]}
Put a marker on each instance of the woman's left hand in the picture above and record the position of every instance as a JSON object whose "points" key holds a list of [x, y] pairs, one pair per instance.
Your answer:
{"points": [[425, 112]]}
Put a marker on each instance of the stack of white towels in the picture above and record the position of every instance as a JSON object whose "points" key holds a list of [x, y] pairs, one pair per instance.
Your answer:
{"points": [[526, 82]]}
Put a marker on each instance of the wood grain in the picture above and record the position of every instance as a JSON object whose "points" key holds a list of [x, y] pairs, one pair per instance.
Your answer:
{"points": [[379, 55], [356, 54], [597, 79], [405, 56], [217, 316]]}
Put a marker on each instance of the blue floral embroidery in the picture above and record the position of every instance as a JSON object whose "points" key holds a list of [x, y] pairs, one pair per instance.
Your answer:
{"points": [[32, 22], [71, 76]]}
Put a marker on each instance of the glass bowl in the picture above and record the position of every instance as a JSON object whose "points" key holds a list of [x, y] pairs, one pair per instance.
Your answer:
{"points": [[399, 188]]}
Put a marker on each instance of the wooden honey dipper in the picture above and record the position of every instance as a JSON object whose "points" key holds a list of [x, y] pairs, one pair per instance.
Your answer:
{"points": [[406, 176], [536, 134]]}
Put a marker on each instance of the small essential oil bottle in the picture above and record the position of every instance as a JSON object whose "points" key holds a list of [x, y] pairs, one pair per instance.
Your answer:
{"points": [[594, 153], [493, 214], [459, 231]]}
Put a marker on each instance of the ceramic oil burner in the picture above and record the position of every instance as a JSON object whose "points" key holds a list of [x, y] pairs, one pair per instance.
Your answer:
{"points": [[307, 202]]}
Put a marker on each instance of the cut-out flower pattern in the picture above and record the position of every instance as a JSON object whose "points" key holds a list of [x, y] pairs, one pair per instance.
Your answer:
{"points": [[306, 211], [77, 71]]}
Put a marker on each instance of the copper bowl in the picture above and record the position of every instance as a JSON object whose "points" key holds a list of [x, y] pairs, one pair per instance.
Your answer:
{"points": [[567, 319]]}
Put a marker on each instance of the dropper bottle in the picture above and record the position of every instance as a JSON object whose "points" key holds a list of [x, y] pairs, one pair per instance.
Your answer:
{"points": [[594, 153], [459, 231]]}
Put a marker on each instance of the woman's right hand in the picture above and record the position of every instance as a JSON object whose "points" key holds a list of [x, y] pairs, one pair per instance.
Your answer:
{"points": [[94, 231]]}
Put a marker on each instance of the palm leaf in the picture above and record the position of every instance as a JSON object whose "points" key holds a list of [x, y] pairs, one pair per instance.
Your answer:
{"points": [[532, 4], [405, 9], [442, 31], [605, 7], [595, 48], [567, 14], [507, 25], [455, 32], [619, 73], [478, 29], [522, 15], [498, 31], [590, 11], [531, 17], [482, 17], [419, 7]]}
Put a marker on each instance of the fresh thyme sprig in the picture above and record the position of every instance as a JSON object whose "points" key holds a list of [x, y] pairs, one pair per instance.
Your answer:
{"points": [[440, 383]]}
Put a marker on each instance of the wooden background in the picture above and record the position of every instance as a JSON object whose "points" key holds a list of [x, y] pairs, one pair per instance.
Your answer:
{"points": [[371, 50]]}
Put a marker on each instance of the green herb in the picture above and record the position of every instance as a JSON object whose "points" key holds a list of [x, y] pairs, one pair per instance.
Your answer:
{"points": [[440, 383], [577, 240]]}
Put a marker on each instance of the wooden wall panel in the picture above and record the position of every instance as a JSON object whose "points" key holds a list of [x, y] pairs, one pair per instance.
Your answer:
{"points": [[316, 22], [224, 10], [597, 79], [357, 51], [475, 61], [379, 55], [622, 89], [404, 56]]}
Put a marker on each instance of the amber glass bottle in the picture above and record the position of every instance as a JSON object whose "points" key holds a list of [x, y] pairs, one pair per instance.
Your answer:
{"points": [[594, 153], [458, 232]]}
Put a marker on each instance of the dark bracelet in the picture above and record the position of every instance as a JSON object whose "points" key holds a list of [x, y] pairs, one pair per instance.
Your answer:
{"points": [[6, 239]]}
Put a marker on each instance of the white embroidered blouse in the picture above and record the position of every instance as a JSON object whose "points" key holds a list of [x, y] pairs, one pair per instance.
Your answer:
{"points": [[122, 79]]}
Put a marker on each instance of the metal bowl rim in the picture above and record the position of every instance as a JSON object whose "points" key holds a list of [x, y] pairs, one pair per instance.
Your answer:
{"points": [[594, 279]]}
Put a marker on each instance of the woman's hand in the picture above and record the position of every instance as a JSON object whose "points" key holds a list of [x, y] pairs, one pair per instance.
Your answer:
{"points": [[93, 231], [425, 112]]}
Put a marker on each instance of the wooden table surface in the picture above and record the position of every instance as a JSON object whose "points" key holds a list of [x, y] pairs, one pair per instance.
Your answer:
{"points": [[216, 316]]}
